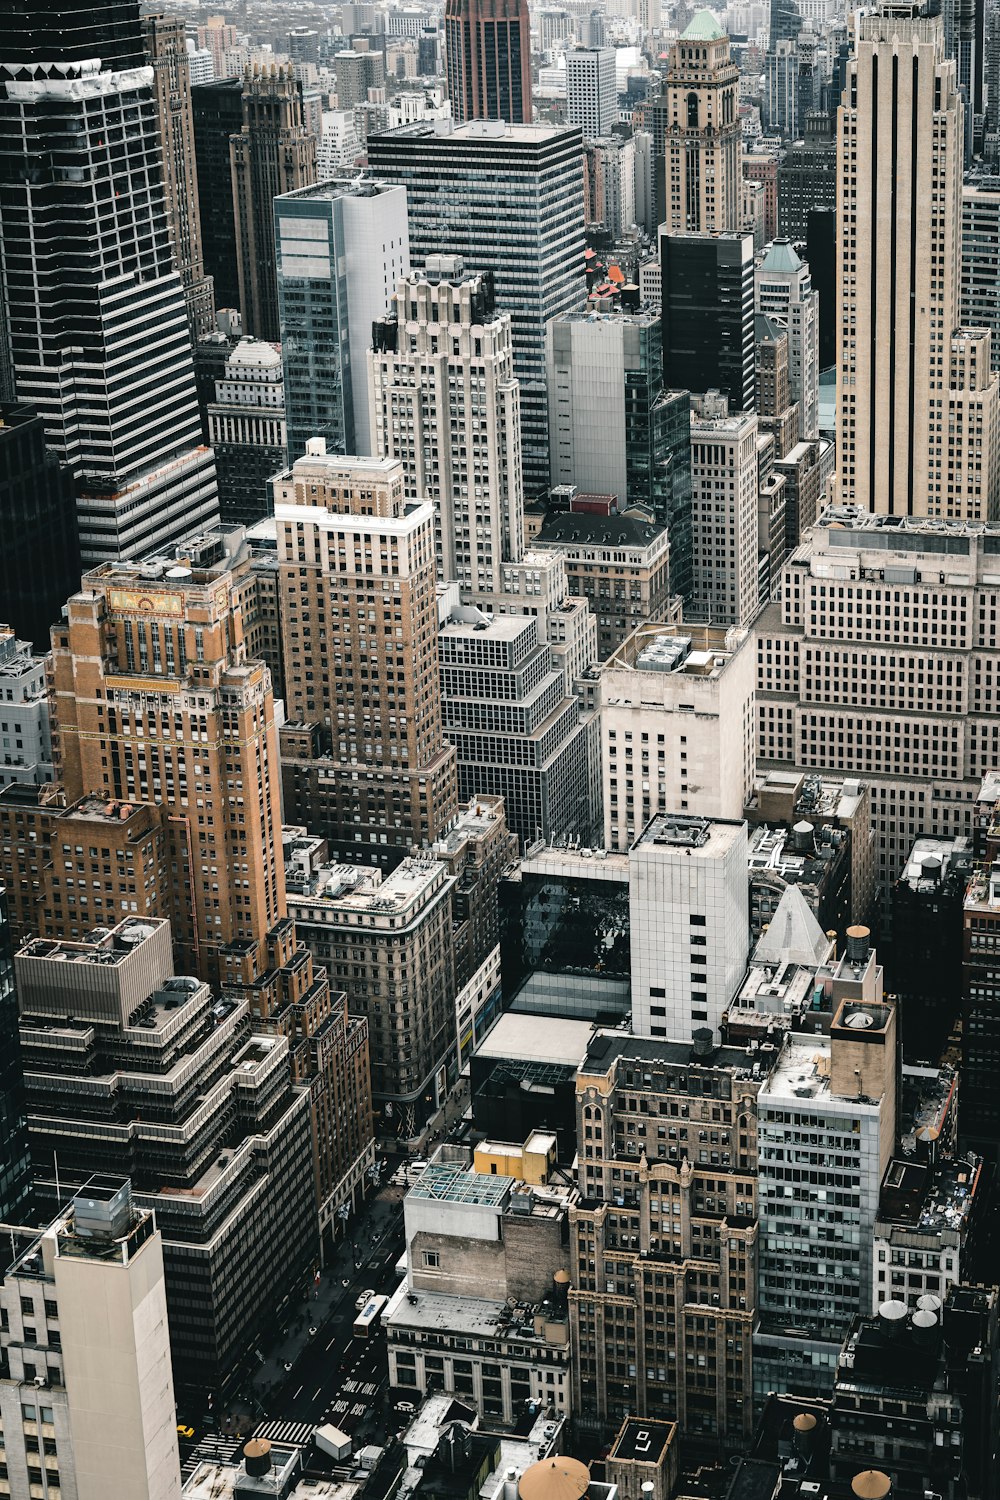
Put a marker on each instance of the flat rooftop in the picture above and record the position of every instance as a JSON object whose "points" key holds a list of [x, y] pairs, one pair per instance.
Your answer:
{"points": [[852, 518], [544, 1039], [353, 888], [575, 864], [691, 650], [474, 1317], [103, 946], [931, 861], [482, 131], [928, 1200], [643, 1440], [701, 838], [802, 1070]]}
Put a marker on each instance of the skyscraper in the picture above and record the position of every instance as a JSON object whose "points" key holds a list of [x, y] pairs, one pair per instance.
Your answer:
{"points": [[910, 394], [509, 201], [488, 60], [444, 400], [364, 760], [591, 90], [274, 153], [217, 110], [101, 348], [86, 1349], [707, 314], [202, 739], [724, 475], [109, 30], [38, 506], [702, 139], [247, 431], [609, 416], [166, 41], [341, 247], [784, 293]]}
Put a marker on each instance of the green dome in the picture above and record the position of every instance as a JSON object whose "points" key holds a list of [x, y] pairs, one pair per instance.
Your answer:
{"points": [[703, 27]]}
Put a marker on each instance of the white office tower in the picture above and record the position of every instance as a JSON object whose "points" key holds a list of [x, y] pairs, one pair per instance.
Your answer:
{"points": [[97, 331], [339, 145], [445, 401], [826, 1129], [87, 1400], [916, 398], [689, 915], [724, 483], [676, 727], [591, 90], [783, 291]]}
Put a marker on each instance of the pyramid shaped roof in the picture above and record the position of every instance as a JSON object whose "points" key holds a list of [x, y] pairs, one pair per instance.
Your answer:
{"points": [[780, 255], [703, 27], [793, 934]]}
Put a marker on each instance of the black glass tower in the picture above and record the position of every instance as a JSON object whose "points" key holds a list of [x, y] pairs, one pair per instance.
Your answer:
{"points": [[218, 113], [31, 33], [707, 311], [38, 520]]}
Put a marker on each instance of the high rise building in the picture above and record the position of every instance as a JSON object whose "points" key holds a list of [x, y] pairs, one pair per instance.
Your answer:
{"points": [[980, 272], [516, 731], [591, 90], [912, 391], [274, 153], [783, 291], [201, 737], [365, 763], [828, 1110], [166, 44], [610, 420], [216, 1139], [776, 411], [15, 1163], [724, 476], [87, 1394], [106, 359], [445, 402], [488, 60], [707, 314], [342, 246], [246, 424], [609, 184], [689, 921], [357, 72], [200, 741], [217, 112], [663, 1242], [922, 747], [702, 139], [508, 200], [676, 727], [807, 177], [110, 30], [38, 504], [25, 731]]}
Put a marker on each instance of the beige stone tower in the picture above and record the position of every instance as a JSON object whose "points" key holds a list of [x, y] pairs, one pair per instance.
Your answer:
{"points": [[166, 43], [916, 412], [702, 143], [365, 761]]}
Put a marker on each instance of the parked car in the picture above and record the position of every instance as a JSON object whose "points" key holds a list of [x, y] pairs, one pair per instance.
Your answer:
{"points": [[362, 1301]]}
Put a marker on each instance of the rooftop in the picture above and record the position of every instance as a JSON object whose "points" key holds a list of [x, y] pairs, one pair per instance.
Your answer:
{"points": [[690, 650], [597, 531], [474, 1317], [643, 1440], [477, 132], [929, 1199], [102, 946], [852, 518], [545, 1039], [933, 860], [780, 258], [453, 1183], [362, 888], [702, 838], [703, 27], [793, 934]]}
